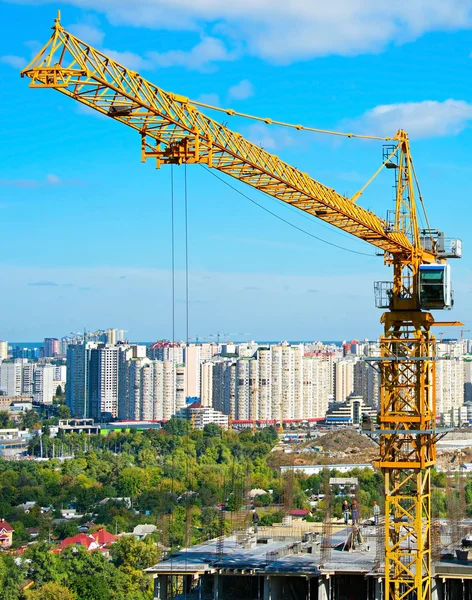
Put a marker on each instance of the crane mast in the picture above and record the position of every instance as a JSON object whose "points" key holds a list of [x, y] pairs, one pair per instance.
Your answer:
{"points": [[174, 131]]}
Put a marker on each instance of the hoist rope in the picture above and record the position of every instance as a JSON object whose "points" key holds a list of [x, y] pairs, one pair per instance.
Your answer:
{"points": [[285, 220], [174, 394], [187, 457]]}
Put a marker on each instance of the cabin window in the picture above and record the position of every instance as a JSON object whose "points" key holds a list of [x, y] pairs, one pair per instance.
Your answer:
{"points": [[432, 287]]}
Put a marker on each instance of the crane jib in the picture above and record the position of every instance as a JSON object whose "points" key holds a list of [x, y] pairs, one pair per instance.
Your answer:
{"points": [[175, 131]]}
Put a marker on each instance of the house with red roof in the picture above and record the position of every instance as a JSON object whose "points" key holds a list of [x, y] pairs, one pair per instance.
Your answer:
{"points": [[81, 539], [6, 534], [98, 540], [103, 537]]}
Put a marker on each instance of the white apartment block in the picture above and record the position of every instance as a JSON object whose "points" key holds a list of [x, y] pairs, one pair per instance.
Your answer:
{"points": [[264, 392], [11, 376], [247, 350], [224, 385], [28, 378], [366, 383], [104, 378], [167, 351], [193, 362], [316, 388], [206, 383], [278, 382], [154, 390], [449, 384], [247, 378], [44, 388], [3, 350], [202, 415], [343, 379]]}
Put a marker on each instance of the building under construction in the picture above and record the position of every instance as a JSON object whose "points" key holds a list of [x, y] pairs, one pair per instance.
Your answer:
{"points": [[294, 563]]}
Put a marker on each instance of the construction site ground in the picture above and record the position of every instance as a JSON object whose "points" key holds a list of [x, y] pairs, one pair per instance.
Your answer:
{"points": [[345, 446]]}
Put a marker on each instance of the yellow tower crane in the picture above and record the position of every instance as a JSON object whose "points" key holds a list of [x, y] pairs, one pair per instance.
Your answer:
{"points": [[174, 131]]}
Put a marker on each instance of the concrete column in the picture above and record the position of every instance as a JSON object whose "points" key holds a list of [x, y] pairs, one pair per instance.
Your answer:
{"points": [[378, 588], [218, 587], [275, 588], [161, 587], [437, 589], [324, 584], [187, 584], [267, 591]]}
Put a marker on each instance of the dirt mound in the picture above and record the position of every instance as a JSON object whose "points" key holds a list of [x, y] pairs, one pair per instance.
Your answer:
{"points": [[340, 441]]}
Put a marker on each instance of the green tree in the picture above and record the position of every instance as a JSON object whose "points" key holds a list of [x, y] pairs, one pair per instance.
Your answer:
{"points": [[11, 576], [63, 412], [30, 418], [43, 567], [132, 481], [5, 421], [129, 552], [51, 591], [212, 430]]}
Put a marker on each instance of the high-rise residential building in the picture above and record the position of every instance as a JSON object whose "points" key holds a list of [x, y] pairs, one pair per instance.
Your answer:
{"points": [[51, 347], [28, 378], [449, 378], [247, 350], [3, 350], [165, 350], [11, 376], [277, 382], [60, 372], [343, 379], [366, 383], [264, 391], [78, 379], [206, 383], [316, 390], [223, 381], [104, 379], [44, 387], [140, 389], [247, 381], [153, 390], [27, 353], [111, 336], [193, 360]]}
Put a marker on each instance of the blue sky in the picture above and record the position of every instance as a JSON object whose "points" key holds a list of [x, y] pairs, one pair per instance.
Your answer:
{"points": [[86, 227]]}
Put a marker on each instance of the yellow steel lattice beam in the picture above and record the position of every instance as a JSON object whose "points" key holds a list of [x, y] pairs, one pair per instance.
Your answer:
{"points": [[174, 130]]}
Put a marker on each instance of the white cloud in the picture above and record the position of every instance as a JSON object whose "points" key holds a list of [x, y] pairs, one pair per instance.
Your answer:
{"points": [[200, 57], [87, 33], [17, 62], [242, 90], [282, 31], [420, 119]]}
